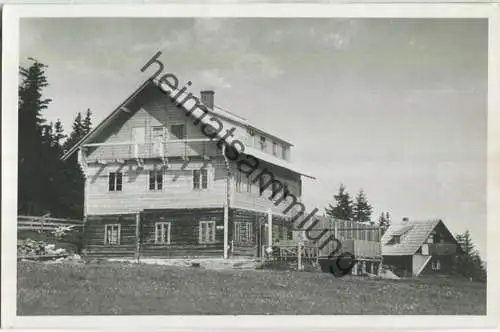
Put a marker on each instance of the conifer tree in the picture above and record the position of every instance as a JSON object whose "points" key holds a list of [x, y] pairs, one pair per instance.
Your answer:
{"points": [[31, 128], [384, 221], [342, 208], [362, 210], [469, 262]]}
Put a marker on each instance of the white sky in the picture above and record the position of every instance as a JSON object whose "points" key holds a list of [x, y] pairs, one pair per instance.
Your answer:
{"points": [[396, 107]]}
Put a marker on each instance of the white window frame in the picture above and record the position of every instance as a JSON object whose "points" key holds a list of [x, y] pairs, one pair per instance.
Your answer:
{"points": [[248, 237], [106, 239], [205, 240], [115, 181], [164, 236], [200, 179], [436, 265], [275, 149], [156, 182]]}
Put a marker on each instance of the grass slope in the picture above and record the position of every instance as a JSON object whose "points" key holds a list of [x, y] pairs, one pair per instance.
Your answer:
{"points": [[113, 288]]}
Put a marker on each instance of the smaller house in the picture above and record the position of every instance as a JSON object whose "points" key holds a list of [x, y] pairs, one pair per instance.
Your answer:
{"points": [[416, 248]]}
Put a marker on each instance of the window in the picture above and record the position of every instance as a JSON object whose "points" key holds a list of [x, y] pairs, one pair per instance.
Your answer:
{"points": [[238, 182], [162, 232], [262, 143], [207, 232], [200, 179], [275, 149], [115, 181], [436, 238], [396, 239], [178, 131], [249, 184], [155, 180], [284, 152], [243, 232], [436, 265], [112, 234]]}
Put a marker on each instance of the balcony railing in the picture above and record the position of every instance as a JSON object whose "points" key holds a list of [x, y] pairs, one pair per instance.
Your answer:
{"points": [[172, 148], [442, 249]]}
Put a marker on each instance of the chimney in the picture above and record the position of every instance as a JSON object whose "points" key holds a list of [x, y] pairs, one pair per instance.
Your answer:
{"points": [[207, 98]]}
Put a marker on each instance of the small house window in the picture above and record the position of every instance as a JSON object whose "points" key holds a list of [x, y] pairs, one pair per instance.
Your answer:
{"points": [[239, 187], [112, 234], [243, 232], [200, 179], [436, 265], [162, 232], [115, 181], [396, 239], [262, 143], [178, 131], [155, 180], [207, 232], [275, 149]]}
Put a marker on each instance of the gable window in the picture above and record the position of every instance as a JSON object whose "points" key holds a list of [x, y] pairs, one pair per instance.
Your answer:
{"points": [[115, 181], [396, 239], [262, 143], [207, 232], [200, 179], [436, 238], [239, 186], [275, 149], [155, 180], [178, 131], [162, 232], [243, 232], [112, 234]]}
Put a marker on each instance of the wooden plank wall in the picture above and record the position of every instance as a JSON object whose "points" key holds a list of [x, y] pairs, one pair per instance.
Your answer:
{"points": [[177, 189]]}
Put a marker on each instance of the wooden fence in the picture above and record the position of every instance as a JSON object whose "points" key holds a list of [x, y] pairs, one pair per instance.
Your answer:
{"points": [[32, 223]]}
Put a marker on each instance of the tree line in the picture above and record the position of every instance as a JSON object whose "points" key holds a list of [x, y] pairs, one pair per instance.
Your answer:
{"points": [[46, 184], [344, 207]]}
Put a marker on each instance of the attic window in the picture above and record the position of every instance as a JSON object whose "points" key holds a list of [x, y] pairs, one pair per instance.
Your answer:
{"points": [[396, 239]]}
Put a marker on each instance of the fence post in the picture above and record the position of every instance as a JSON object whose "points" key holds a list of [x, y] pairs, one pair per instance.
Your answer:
{"points": [[137, 236], [299, 257]]}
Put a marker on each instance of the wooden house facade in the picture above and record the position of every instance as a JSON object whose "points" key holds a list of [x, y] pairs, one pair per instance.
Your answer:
{"points": [[157, 185], [414, 248]]}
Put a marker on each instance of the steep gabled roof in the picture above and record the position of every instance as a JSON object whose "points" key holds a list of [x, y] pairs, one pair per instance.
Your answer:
{"points": [[217, 111], [413, 234]]}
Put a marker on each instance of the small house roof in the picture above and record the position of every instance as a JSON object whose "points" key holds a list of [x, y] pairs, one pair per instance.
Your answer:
{"points": [[416, 233]]}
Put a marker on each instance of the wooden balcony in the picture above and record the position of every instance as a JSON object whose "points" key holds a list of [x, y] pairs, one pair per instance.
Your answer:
{"points": [[440, 249], [121, 151]]}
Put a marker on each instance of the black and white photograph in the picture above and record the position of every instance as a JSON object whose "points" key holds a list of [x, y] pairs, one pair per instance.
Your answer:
{"points": [[202, 165]]}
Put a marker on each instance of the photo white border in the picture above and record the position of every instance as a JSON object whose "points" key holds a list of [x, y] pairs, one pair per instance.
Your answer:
{"points": [[11, 16]]}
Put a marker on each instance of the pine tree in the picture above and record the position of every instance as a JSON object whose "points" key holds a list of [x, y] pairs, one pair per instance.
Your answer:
{"points": [[87, 122], [59, 135], [77, 133], [343, 205], [362, 210], [32, 133], [384, 221], [469, 262]]}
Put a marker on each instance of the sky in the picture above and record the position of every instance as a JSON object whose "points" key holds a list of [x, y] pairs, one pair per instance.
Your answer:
{"points": [[397, 107]]}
